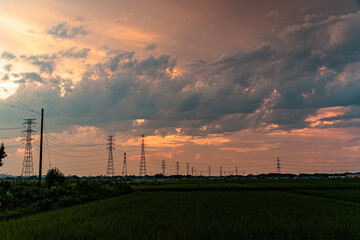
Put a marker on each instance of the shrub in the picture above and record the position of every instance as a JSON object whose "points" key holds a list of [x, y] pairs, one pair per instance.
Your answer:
{"points": [[54, 177]]}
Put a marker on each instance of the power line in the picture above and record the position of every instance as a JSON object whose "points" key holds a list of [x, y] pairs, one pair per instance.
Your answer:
{"points": [[47, 145], [14, 128], [23, 104]]}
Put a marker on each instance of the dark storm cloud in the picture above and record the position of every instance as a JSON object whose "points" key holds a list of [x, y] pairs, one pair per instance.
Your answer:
{"points": [[63, 30], [352, 113], [124, 59], [7, 55], [277, 85]]}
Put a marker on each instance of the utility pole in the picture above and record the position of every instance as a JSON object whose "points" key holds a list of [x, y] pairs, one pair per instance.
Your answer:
{"points": [[177, 168], [278, 168], [209, 171], [220, 171], [110, 165], [163, 166], [187, 168], [142, 171], [41, 144], [124, 171], [27, 168]]}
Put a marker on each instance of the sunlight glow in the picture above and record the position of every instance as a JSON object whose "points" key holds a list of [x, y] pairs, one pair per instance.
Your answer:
{"points": [[7, 89]]}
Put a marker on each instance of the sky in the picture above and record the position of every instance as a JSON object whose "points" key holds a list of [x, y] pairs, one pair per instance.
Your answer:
{"points": [[212, 83]]}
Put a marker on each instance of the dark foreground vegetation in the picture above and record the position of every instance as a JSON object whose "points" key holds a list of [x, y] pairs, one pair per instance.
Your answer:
{"points": [[259, 209], [19, 198]]}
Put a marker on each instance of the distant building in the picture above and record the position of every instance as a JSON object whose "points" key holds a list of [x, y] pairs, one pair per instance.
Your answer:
{"points": [[354, 175]]}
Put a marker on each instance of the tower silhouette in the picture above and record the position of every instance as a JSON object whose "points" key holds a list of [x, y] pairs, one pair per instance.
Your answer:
{"points": [[142, 171], [124, 171], [28, 168], [163, 166], [278, 168], [110, 164], [177, 168], [187, 168]]}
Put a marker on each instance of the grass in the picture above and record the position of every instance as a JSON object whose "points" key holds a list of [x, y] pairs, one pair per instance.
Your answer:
{"points": [[195, 215]]}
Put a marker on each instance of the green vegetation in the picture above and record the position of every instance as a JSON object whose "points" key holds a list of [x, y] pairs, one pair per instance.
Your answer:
{"points": [[54, 178], [195, 215], [194, 209], [24, 197], [2, 154], [352, 195], [248, 184]]}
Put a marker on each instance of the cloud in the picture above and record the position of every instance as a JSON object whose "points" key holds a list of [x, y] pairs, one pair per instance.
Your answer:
{"points": [[150, 47], [45, 62], [8, 67], [271, 13], [74, 52], [30, 77], [63, 30], [7, 55], [275, 86]]}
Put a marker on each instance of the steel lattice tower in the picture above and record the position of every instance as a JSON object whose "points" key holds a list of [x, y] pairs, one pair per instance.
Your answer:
{"points": [[209, 171], [163, 166], [236, 171], [192, 171], [142, 171], [187, 168], [278, 167], [177, 168], [110, 164], [124, 171], [27, 168], [220, 171]]}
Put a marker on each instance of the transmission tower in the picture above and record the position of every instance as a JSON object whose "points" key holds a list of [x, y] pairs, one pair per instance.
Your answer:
{"points": [[235, 171], [124, 171], [187, 168], [209, 171], [110, 164], [177, 168], [220, 171], [142, 160], [192, 171], [278, 167], [163, 166], [27, 168]]}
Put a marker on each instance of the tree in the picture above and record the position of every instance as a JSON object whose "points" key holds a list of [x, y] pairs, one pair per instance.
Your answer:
{"points": [[2, 154], [54, 177]]}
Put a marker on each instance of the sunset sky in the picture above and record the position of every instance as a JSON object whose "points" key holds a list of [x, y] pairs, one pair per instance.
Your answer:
{"points": [[209, 82]]}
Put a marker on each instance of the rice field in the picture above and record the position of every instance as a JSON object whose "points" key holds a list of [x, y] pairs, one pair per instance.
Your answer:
{"points": [[263, 213]]}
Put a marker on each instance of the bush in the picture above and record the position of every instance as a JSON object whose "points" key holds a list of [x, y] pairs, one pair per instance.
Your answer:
{"points": [[54, 178]]}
